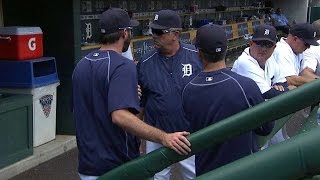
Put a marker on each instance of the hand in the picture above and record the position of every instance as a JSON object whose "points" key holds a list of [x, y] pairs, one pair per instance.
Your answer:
{"points": [[178, 142], [139, 91], [278, 87]]}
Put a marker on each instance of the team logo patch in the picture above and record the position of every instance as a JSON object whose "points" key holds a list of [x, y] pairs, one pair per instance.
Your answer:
{"points": [[187, 70], [46, 102], [266, 32], [156, 17], [209, 79]]}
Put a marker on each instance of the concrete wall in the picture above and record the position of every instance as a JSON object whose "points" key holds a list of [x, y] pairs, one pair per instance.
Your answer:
{"points": [[1, 14], [293, 9]]}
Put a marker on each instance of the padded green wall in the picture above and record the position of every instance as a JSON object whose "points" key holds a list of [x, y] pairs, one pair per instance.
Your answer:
{"points": [[15, 128]]}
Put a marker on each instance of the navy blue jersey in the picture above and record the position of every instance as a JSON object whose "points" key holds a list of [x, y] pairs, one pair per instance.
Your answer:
{"points": [[103, 82], [162, 80], [214, 96]]}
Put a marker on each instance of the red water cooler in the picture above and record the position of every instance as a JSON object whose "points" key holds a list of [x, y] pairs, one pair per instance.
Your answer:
{"points": [[20, 43]]}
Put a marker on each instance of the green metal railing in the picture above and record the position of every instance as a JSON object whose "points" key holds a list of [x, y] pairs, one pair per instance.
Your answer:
{"points": [[296, 158], [278, 107]]}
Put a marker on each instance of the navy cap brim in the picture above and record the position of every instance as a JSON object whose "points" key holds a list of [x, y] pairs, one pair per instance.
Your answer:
{"points": [[312, 42], [134, 23], [157, 26], [263, 39]]}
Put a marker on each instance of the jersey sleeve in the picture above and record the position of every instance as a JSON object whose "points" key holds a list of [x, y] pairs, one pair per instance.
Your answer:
{"points": [[272, 93], [252, 71], [310, 60], [123, 89]]}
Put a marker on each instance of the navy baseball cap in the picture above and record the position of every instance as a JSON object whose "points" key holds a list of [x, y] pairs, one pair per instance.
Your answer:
{"points": [[166, 19], [114, 19], [316, 25], [265, 33], [306, 32], [211, 38]]}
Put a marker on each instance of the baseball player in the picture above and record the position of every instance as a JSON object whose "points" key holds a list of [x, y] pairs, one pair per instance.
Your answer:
{"points": [[105, 101], [217, 93], [289, 52], [162, 75], [311, 66], [257, 63], [289, 55]]}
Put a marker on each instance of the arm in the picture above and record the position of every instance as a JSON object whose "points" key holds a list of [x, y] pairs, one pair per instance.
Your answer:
{"points": [[129, 122], [309, 73], [123, 101], [277, 89], [295, 80], [273, 92], [285, 61]]}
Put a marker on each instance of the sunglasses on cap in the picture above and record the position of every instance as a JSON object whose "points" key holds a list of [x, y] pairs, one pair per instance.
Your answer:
{"points": [[160, 32], [129, 29], [264, 44]]}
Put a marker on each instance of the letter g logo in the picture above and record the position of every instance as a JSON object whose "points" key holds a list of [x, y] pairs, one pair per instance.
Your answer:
{"points": [[32, 44]]}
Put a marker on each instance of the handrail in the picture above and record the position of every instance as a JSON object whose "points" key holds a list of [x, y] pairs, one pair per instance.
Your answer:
{"points": [[280, 106], [295, 158], [279, 123]]}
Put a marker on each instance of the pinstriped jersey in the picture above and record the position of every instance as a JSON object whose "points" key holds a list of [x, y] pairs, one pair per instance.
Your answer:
{"points": [[162, 80]]}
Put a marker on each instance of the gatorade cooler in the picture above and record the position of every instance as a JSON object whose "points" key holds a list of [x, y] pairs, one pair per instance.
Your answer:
{"points": [[20, 43]]}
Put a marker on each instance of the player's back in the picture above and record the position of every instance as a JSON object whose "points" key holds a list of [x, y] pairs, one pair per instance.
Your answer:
{"points": [[212, 97], [219, 94]]}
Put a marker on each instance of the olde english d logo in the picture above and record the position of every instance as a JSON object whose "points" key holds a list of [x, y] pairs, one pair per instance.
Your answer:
{"points": [[46, 102], [187, 70]]}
